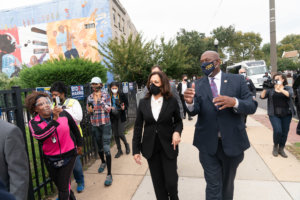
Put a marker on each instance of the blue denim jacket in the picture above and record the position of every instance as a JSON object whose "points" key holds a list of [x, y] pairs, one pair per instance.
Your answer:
{"points": [[269, 95]]}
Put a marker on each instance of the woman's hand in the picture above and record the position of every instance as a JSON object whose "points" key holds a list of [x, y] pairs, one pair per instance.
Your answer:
{"points": [[137, 158], [123, 106], [175, 139], [79, 151], [56, 111], [90, 109]]}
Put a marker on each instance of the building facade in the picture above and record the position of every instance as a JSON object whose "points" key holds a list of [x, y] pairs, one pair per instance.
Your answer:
{"points": [[60, 28]]}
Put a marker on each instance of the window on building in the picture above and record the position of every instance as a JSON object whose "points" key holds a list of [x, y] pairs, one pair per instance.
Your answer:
{"points": [[119, 21], [114, 16], [123, 25]]}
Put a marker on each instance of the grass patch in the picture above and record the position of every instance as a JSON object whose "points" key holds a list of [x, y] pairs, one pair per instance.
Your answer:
{"points": [[294, 149]]}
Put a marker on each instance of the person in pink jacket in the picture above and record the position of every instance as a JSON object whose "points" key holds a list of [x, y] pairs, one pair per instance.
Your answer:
{"points": [[55, 130]]}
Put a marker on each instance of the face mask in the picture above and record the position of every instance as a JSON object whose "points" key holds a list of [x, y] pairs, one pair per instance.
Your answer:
{"points": [[154, 89], [278, 82], [194, 78], [97, 88], [114, 91], [244, 74], [208, 68]]}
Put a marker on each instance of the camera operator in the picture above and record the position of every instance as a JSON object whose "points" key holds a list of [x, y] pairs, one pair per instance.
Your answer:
{"points": [[280, 110]]}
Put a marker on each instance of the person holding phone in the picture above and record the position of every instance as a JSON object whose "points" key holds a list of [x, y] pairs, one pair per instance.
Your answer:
{"points": [[119, 105], [280, 111], [99, 106], [72, 106], [58, 133], [157, 131]]}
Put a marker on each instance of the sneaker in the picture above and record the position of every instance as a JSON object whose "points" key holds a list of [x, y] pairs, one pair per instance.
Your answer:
{"points": [[80, 187], [108, 180], [119, 153], [102, 167]]}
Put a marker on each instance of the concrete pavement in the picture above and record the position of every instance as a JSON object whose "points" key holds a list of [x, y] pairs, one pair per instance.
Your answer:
{"points": [[260, 176]]}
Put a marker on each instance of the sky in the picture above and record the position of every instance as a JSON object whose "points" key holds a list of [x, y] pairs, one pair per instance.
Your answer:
{"points": [[156, 18]]}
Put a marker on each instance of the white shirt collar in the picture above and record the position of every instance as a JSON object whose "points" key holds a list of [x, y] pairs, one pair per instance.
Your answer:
{"points": [[218, 75], [159, 100]]}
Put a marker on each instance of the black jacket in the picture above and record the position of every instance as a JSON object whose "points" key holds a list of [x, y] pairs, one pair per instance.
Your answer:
{"points": [[122, 99], [168, 122]]}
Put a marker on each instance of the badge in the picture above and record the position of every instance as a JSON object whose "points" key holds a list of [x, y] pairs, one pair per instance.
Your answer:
{"points": [[53, 140]]}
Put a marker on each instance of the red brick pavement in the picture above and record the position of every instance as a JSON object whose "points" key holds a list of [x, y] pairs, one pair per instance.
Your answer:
{"points": [[292, 137]]}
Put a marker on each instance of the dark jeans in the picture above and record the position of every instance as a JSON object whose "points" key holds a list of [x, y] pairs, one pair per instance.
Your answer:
{"points": [[61, 178], [102, 135], [219, 173], [77, 171], [281, 127], [71, 52], [118, 129]]}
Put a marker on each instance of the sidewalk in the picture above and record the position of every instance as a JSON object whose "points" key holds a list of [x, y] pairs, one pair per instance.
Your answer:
{"points": [[260, 176]]}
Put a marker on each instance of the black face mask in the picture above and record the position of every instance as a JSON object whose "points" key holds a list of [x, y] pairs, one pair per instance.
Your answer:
{"points": [[154, 89], [185, 79]]}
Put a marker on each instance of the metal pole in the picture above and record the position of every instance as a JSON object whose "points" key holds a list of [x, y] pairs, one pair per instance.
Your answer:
{"points": [[273, 50]]}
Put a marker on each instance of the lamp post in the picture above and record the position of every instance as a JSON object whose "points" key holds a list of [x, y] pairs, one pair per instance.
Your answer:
{"points": [[216, 43]]}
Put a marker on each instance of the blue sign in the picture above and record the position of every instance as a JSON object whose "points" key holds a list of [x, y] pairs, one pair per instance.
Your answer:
{"points": [[77, 92], [44, 89]]}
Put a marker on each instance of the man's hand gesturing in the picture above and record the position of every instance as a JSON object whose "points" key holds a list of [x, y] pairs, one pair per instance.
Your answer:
{"points": [[189, 94]]}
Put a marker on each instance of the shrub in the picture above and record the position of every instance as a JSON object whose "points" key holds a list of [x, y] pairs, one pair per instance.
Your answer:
{"points": [[71, 71]]}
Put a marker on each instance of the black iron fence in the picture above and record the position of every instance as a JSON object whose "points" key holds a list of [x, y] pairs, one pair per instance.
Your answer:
{"points": [[13, 111]]}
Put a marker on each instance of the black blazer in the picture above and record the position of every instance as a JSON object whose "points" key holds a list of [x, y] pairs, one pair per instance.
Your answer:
{"points": [[168, 122], [228, 121], [122, 99]]}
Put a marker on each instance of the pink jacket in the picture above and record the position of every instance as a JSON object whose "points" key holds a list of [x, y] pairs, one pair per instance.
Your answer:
{"points": [[55, 135]]}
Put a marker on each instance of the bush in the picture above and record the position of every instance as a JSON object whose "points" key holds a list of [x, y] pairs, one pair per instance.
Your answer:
{"points": [[71, 71], [286, 64]]}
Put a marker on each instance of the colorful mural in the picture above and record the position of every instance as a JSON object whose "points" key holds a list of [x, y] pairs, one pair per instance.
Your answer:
{"points": [[66, 28]]}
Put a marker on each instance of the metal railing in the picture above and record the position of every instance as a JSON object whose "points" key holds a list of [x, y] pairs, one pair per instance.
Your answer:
{"points": [[13, 111]]}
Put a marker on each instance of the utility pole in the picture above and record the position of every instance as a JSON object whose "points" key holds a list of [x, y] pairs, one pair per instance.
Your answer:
{"points": [[273, 50]]}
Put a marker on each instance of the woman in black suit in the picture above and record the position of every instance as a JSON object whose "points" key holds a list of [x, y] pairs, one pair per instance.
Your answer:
{"points": [[158, 113]]}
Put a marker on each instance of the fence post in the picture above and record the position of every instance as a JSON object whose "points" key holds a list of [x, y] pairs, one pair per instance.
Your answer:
{"points": [[17, 101]]}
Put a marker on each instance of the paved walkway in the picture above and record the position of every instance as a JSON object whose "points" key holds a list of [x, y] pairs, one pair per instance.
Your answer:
{"points": [[260, 176]]}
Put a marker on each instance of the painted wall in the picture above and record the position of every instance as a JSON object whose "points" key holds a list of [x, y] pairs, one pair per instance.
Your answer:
{"points": [[67, 28]]}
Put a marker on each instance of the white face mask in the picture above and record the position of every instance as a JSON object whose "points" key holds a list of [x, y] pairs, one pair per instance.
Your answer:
{"points": [[114, 91], [244, 74], [279, 83]]}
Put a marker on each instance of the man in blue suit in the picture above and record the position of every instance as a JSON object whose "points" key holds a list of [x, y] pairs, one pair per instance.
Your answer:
{"points": [[220, 100]]}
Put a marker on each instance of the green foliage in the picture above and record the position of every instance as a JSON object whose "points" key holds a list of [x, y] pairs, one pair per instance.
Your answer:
{"points": [[293, 40], [196, 44], [6, 83], [173, 58], [71, 71], [246, 46], [287, 64], [130, 59]]}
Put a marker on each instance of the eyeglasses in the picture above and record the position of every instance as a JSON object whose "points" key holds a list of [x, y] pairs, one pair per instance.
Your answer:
{"points": [[46, 102]]}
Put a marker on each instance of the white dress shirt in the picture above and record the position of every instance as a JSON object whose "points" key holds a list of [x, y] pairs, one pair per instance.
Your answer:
{"points": [[184, 87], [217, 80], [156, 106]]}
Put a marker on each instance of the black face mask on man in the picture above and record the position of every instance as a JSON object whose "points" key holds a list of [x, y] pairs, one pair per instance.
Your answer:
{"points": [[155, 90]]}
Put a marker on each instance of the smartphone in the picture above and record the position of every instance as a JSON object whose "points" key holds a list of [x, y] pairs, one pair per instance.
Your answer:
{"points": [[57, 101], [189, 84], [90, 104]]}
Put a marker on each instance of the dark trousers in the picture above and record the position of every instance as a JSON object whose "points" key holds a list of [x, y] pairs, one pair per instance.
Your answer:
{"points": [[163, 173], [219, 173], [118, 131], [184, 106], [61, 178], [281, 127]]}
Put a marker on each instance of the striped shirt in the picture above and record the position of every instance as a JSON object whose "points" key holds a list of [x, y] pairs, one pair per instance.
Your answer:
{"points": [[101, 106]]}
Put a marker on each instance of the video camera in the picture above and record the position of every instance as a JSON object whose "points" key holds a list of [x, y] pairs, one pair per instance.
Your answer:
{"points": [[269, 84]]}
